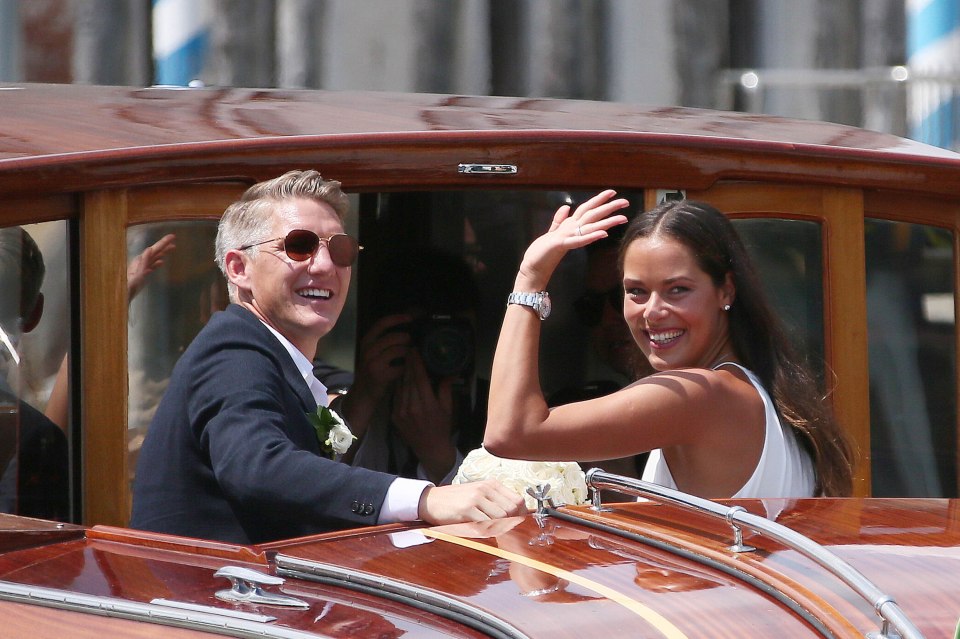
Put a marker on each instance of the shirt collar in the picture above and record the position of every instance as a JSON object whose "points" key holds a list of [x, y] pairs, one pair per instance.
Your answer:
{"points": [[304, 365]]}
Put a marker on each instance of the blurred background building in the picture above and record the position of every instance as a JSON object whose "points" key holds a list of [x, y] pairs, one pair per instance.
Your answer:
{"points": [[888, 65]]}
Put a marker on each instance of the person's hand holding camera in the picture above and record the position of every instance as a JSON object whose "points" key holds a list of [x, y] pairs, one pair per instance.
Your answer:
{"points": [[407, 370], [423, 414], [380, 364]]}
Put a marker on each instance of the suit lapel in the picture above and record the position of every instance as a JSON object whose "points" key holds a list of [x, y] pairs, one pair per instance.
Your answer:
{"points": [[289, 369]]}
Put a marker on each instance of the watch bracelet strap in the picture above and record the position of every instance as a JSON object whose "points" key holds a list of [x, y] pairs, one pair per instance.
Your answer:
{"points": [[522, 298]]}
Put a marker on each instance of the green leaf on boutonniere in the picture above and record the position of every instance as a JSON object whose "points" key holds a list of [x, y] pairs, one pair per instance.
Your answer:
{"points": [[332, 431]]}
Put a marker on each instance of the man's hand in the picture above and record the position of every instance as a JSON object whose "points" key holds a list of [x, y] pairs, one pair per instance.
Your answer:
{"points": [[476, 501]]}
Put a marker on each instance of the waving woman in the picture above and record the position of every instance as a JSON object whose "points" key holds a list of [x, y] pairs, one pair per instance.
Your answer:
{"points": [[730, 412]]}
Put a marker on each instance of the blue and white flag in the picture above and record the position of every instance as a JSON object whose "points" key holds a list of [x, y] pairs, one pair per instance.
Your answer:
{"points": [[181, 34], [933, 57]]}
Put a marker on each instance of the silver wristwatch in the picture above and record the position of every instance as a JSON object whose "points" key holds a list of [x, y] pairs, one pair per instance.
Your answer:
{"points": [[540, 302]]}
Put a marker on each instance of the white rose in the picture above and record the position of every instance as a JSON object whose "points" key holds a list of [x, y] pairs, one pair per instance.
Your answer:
{"points": [[340, 438], [566, 479], [476, 466], [575, 484], [567, 483]]}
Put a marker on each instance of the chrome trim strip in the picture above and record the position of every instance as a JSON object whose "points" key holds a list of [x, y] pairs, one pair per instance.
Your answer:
{"points": [[236, 614], [487, 169], [221, 623], [886, 607], [388, 588]]}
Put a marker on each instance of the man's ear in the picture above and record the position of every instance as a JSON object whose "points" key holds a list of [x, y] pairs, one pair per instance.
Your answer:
{"points": [[31, 319], [235, 263]]}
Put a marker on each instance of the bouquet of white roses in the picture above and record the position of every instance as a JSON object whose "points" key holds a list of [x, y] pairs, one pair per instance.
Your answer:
{"points": [[566, 479]]}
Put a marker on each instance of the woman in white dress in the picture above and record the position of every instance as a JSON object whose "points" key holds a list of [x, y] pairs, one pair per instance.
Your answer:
{"points": [[730, 412]]}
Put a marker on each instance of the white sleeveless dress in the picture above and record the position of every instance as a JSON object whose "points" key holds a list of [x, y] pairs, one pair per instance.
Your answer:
{"points": [[784, 470]]}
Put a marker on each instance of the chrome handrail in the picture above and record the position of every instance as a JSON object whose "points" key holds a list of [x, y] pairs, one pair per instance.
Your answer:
{"points": [[438, 603], [885, 606], [163, 612]]}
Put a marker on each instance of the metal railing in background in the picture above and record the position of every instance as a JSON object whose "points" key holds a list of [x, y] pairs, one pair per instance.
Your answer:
{"points": [[889, 99]]}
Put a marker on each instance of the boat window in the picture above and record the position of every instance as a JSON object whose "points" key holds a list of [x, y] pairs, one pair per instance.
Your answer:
{"points": [[788, 256], [35, 333], [912, 351]]}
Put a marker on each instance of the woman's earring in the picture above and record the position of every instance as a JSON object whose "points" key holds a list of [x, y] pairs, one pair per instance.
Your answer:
{"points": [[726, 307]]}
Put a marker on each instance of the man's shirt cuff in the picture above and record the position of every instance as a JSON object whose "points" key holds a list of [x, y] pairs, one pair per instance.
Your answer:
{"points": [[402, 502]]}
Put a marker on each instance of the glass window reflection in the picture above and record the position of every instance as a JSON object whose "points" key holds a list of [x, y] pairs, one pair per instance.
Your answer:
{"points": [[788, 256], [34, 341], [174, 287], [911, 332]]}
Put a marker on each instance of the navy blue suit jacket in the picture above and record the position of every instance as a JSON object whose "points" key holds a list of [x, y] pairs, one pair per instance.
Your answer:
{"points": [[230, 454]]}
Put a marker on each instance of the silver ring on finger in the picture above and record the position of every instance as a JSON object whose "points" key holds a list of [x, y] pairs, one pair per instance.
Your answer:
{"points": [[580, 231]]}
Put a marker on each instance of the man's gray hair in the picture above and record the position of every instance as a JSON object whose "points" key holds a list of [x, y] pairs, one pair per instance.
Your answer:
{"points": [[249, 219]]}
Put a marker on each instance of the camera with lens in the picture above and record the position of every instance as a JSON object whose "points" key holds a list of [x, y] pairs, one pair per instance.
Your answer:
{"points": [[445, 343]]}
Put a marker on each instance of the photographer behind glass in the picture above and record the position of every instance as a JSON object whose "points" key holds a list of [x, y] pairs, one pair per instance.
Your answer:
{"points": [[415, 404]]}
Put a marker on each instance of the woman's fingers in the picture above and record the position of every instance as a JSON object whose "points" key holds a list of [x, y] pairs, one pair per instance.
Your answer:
{"points": [[562, 213]]}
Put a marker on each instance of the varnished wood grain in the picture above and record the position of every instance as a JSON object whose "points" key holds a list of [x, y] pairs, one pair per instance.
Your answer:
{"points": [[103, 266], [656, 594], [136, 569], [23, 532], [908, 548], [556, 578], [144, 539], [845, 315], [119, 137]]}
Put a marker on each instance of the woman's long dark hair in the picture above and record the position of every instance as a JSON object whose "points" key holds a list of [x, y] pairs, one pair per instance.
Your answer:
{"points": [[756, 332]]}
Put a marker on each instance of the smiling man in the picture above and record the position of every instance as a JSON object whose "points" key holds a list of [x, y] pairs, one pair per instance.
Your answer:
{"points": [[231, 453]]}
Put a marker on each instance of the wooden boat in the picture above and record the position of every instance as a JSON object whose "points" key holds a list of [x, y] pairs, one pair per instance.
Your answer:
{"points": [[854, 229]]}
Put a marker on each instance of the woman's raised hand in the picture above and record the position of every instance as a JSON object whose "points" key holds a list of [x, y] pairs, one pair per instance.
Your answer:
{"points": [[588, 223]]}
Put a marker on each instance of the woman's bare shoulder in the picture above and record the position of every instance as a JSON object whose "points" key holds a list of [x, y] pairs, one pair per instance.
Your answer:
{"points": [[694, 392], [699, 380]]}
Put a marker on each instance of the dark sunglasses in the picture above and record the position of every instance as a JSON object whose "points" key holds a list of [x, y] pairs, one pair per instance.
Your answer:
{"points": [[589, 306], [300, 245]]}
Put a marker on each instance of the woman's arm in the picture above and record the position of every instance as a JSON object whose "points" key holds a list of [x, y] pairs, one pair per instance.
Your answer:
{"points": [[697, 409], [517, 408]]}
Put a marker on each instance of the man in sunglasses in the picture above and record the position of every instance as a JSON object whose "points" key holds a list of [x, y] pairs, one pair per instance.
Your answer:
{"points": [[231, 453]]}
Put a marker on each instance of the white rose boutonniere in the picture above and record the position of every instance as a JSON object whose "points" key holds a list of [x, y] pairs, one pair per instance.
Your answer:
{"points": [[566, 479], [332, 431]]}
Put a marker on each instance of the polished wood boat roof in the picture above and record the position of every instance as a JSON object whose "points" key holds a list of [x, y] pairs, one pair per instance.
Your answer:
{"points": [[70, 137], [38, 120]]}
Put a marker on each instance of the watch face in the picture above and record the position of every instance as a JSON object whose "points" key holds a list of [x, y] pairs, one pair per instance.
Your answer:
{"points": [[544, 307]]}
